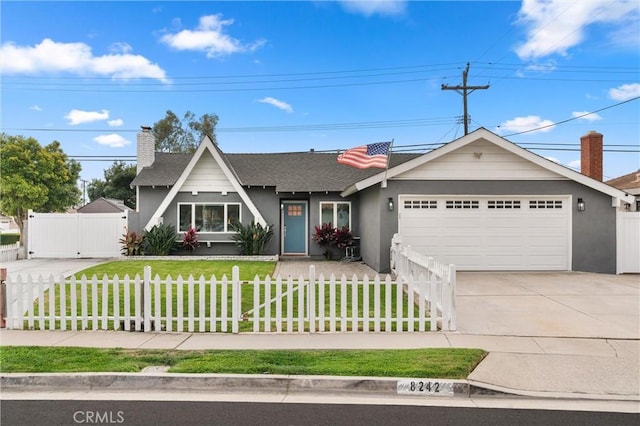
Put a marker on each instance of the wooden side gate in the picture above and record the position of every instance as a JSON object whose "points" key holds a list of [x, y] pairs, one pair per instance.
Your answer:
{"points": [[75, 235]]}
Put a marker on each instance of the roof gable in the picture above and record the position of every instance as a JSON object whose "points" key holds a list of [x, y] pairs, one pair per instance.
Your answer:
{"points": [[206, 148], [487, 138], [480, 159]]}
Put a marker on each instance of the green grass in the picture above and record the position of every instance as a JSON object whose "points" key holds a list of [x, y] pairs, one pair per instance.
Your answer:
{"points": [[443, 363], [207, 268]]}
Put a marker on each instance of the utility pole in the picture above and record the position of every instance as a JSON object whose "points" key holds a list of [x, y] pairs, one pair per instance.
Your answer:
{"points": [[464, 90]]}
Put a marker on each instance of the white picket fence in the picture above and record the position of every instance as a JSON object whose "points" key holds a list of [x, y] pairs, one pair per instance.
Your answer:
{"points": [[9, 252], [313, 305], [433, 281]]}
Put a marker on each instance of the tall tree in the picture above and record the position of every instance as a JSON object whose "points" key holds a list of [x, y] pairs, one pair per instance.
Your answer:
{"points": [[175, 135], [34, 177], [116, 184]]}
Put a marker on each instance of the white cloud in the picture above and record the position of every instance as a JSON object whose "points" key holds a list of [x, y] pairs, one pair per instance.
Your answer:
{"points": [[115, 123], [523, 124], [277, 103], [113, 140], [76, 116], [373, 7], [120, 47], [625, 92], [210, 37], [589, 116], [554, 26], [35, 108], [575, 164], [76, 58]]}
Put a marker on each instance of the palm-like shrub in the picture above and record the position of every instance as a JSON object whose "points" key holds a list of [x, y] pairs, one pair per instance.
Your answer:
{"points": [[132, 244], [160, 240], [253, 238]]}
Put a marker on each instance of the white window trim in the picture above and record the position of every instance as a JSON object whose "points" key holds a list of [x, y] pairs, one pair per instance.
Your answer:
{"points": [[193, 216], [334, 222]]}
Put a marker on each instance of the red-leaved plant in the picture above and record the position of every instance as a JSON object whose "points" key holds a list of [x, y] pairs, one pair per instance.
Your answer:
{"points": [[190, 240]]}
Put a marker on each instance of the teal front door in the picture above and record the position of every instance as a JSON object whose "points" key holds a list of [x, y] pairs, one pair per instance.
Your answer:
{"points": [[294, 227]]}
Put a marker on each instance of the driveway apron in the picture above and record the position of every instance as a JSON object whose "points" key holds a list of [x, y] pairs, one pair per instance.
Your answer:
{"points": [[551, 304]]}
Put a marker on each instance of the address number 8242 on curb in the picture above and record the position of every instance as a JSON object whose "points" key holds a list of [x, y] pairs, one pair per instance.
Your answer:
{"points": [[427, 387]]}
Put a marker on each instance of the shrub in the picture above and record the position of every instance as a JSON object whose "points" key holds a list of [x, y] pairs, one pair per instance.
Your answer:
{"points": [[132, 244], [325, 236], [160, 240], [343, 237], [190, 240], [253, 238], [9, 238]]}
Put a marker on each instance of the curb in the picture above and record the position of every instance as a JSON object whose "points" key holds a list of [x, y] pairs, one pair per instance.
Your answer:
{"points": [[217, 382], [381, 386]]}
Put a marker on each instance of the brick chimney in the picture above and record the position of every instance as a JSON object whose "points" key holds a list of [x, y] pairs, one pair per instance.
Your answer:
{"points": [[591, 155], [146, 148]]}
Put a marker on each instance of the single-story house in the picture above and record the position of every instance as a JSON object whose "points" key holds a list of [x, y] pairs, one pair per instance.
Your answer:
{"points": [[480, 202], [104, 205], [629, 183]]}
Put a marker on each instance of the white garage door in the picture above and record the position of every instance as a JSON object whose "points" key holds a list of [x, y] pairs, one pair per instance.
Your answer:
{"points": [[489, 232]]}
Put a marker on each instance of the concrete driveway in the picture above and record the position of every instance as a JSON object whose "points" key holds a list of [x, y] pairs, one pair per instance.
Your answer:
{"points": [[550, 304]]}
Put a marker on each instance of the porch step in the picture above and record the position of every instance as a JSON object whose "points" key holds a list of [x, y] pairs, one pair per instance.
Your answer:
{"points": [[293, 257]]}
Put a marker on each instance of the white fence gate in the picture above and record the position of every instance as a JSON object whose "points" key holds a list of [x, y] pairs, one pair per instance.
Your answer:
{"points": [[75, 235], [628, 242], [430, 280]]}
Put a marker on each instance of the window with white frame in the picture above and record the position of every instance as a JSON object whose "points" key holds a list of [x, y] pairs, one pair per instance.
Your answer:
{"points": [[205, 217], [338, 213]]}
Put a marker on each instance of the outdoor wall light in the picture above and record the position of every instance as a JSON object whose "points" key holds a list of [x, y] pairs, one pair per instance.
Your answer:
{"points": [[390, 204], [580, 205]]}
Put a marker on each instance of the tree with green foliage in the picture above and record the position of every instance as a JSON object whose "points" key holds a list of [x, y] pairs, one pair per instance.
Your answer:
{"points": [[177, 135], [34, 177], [116, 184]]}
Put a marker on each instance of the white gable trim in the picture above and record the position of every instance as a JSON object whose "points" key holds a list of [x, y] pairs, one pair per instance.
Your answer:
{"points": [[502, 143], [205, 146]]}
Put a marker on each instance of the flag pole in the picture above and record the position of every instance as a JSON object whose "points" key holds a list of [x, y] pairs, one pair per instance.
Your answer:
{"points": [[384, 180]]}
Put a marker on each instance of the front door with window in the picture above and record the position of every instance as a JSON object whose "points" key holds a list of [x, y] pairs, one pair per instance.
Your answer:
{"points": [[294, 227]]}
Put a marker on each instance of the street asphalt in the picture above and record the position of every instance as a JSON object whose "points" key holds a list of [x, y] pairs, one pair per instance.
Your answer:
{"points": [[551, 335]]}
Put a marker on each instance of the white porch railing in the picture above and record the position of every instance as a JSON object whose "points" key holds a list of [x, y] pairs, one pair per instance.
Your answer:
{"points": [[431, 280], [319, 304], [9, 252]]}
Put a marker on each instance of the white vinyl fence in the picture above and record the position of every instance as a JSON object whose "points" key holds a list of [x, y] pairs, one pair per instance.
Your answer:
{"points": [[75, 235], [628, 242], [195, 304], [9, 252], [432, 281]]}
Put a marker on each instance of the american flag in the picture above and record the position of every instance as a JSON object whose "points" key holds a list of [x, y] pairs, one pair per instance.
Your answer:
{"points": [[362, 157]]}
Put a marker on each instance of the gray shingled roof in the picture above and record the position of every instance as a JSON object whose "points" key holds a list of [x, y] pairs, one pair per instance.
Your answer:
{"points": [[165, 170], [287, 172]]}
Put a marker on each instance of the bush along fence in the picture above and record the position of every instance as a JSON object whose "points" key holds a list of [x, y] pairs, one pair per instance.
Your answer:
{"points": [[432, 280], [196, 304]]}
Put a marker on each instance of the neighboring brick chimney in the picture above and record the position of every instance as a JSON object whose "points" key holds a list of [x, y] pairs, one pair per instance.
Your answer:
{"points": [[146, 154], [591, 155]]}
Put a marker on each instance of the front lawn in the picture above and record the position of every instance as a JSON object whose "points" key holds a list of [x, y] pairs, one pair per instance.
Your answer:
{"points": [[441, 363], [248, 269]]}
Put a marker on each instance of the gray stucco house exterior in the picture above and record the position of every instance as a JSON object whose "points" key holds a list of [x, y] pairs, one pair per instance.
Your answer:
{"points": [[480, 202]]}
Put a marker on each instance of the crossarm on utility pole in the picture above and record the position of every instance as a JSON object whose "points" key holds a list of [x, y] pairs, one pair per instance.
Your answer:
{"points": [[465, 90]]}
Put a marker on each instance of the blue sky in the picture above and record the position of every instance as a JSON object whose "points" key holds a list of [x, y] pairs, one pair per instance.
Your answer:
{"points": [[328, 75]]}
